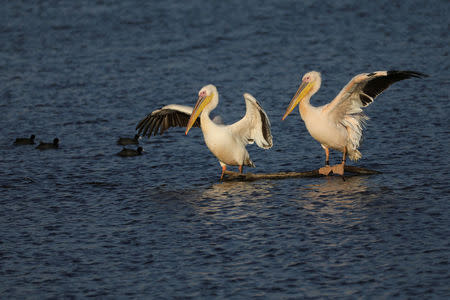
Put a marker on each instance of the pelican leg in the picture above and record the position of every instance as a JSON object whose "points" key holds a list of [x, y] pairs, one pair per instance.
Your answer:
{"points": [[241, 168], [339, 169], [224, 168], [327, 156], [326, 169]]}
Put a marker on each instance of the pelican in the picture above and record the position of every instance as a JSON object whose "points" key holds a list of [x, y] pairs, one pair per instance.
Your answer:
{"points": [[338, 125], [226, 142]]}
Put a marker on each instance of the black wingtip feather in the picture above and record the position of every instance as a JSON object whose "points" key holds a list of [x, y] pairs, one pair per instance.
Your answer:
{"points": [[377, 85], [266, 129], [157, 126], [141, 122], [161, 120], [406, 74], [365, 100]]}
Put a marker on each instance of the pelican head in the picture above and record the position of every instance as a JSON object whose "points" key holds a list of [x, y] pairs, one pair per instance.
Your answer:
{"points": [[310, 85], [206, 96]]}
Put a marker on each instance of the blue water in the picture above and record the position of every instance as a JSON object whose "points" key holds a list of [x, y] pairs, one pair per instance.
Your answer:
{"points": [[82, 222]]}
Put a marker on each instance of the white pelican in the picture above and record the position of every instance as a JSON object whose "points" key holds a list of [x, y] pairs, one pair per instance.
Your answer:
{"points": [[226, 142], [339, 124]]}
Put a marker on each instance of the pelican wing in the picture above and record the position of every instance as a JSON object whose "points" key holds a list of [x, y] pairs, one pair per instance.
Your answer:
{"points": [[362, 90], [254, 126], [172, 115]]}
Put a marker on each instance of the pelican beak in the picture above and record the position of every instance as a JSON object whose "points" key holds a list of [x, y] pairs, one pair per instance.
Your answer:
{"points": [[199, 106], [302, 91]]}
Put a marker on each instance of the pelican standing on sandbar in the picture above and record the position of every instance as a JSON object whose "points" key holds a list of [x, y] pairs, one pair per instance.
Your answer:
{"points": [[338, 125], [226, 142]]}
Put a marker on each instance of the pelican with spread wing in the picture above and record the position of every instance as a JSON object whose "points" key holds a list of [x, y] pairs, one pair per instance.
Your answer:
{"points": [[226, 142], [338, 125]]}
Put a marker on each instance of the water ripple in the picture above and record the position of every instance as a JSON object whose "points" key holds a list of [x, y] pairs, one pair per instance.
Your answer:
{"points": [[81, 222]]}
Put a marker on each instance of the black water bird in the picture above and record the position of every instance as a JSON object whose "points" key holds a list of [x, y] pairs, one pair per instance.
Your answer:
{"points": [[46, 146], [25, 141]]}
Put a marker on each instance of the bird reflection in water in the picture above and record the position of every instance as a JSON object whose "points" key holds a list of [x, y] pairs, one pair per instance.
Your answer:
{"points": [[235, 199], [333, 188], [332, 199]]}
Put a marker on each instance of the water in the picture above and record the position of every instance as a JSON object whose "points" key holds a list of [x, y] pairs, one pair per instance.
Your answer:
{"points": [[82, 222]]}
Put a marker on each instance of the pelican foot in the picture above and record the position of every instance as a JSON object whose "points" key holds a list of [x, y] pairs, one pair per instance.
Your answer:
{"points": [[338, 169], [325, 170]]}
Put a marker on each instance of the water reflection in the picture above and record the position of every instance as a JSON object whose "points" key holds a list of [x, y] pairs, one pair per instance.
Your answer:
{"points": [[234, 199], [334, 188], [238, 190], [333, 200]]}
